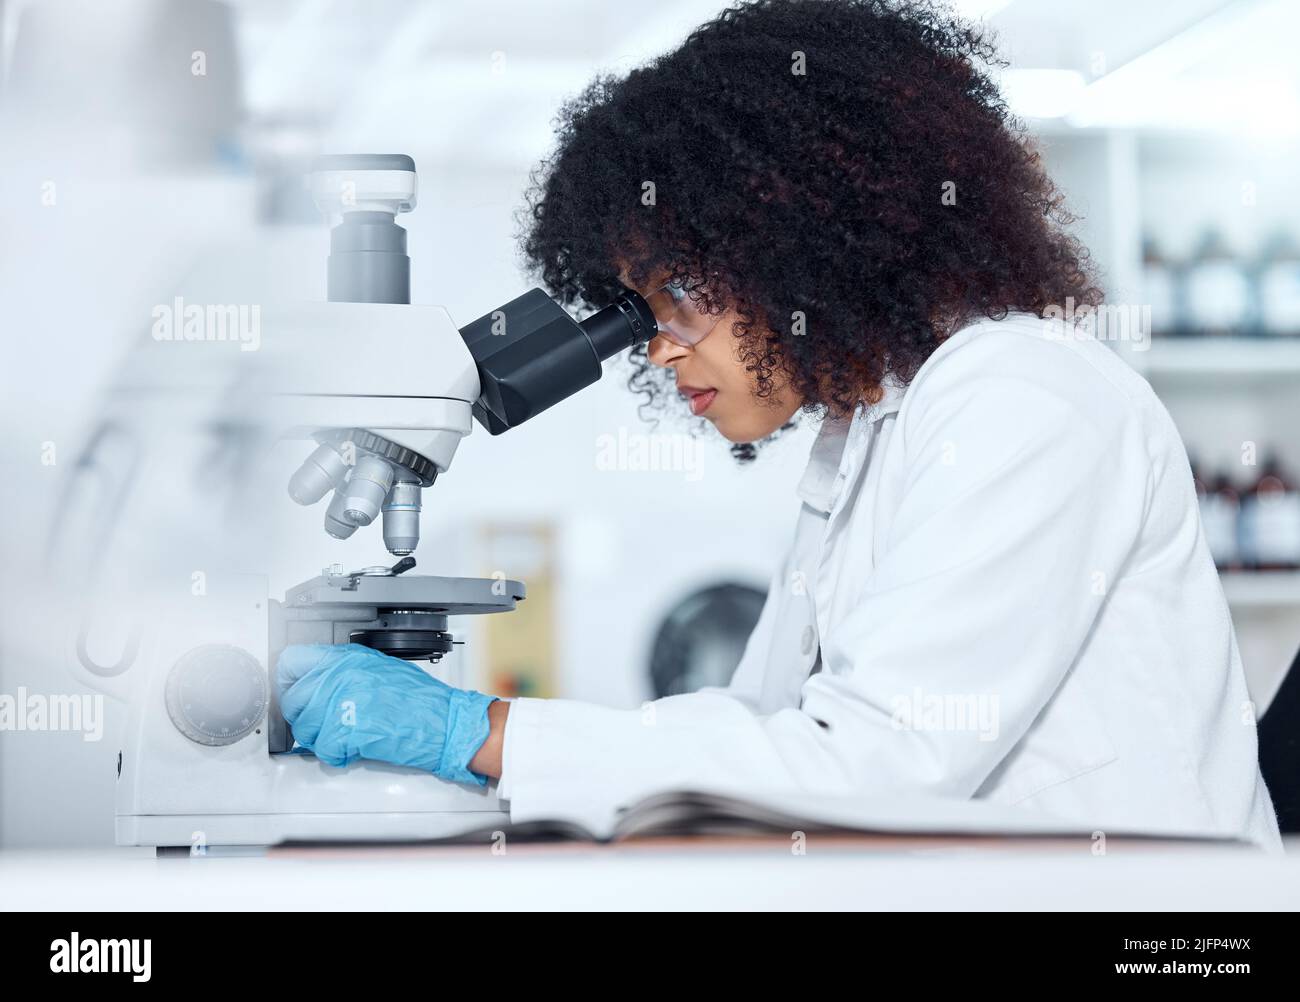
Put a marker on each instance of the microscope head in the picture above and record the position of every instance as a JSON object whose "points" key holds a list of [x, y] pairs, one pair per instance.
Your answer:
{"points": [[386, 432], [378, 469]]}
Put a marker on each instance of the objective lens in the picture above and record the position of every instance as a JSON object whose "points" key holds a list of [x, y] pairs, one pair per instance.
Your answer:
{"points": [[335, 522], [402, 518], [366, 489], [323, 470]]}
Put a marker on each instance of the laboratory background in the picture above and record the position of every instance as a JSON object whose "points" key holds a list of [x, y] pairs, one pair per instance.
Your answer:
{"points": [[128, 179]]}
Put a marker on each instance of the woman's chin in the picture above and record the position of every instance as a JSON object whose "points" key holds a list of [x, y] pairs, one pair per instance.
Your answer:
{"points": [[724, 428], [737, 433], [750, 427]]}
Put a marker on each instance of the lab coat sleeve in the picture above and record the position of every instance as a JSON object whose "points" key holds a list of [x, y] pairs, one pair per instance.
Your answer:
{"points": [[1023, 493]]}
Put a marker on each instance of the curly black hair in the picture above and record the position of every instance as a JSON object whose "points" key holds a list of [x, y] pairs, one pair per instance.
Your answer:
{"points": [[848, 161]]}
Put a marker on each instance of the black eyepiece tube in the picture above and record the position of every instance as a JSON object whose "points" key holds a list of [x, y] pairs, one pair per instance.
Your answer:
{"points": [[531, 354], [625, 323]]}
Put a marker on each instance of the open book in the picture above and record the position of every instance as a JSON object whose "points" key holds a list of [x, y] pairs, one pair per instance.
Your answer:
{"points": [[687, 812]]}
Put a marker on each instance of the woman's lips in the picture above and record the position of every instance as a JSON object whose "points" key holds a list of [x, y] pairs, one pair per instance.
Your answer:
{"points": [[699, 399]]}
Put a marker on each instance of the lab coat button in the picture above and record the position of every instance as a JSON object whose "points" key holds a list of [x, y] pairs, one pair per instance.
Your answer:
{"points": [[808, 641]]}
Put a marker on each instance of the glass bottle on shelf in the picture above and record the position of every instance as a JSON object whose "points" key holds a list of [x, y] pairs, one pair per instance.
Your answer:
{"points": [[1160, 282], [1220, 507], [1278, 287], [1216, 289], [1270, 521]]}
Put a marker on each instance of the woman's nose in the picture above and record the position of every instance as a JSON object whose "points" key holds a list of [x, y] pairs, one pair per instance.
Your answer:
{"points": [[663, 352]]}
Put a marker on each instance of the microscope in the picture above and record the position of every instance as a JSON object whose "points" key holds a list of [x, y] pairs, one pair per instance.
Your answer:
{"points": [[386, 434], [208, 760]]}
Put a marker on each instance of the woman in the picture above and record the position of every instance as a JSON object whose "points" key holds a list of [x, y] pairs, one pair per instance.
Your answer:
{"points": [[998, 586]]}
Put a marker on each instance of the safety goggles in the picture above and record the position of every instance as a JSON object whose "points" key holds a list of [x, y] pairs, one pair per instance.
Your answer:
{"points": [[680, 319]]}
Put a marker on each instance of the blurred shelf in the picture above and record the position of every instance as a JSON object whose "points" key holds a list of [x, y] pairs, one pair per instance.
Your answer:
{"points": [[1215, 357], [1261, 589]]}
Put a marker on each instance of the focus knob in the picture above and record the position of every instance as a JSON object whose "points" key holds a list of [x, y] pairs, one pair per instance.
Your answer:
{"points": [[216, 694]]}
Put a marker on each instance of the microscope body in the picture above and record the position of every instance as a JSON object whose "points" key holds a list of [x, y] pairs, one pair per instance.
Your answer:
{"points": [[207, 761], [383, 391], [401, 373]]}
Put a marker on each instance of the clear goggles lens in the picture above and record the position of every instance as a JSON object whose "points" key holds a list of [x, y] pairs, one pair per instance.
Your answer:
{"points": [[680, 319]]}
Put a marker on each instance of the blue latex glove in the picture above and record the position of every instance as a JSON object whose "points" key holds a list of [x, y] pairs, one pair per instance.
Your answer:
{"points": [[346, 702]]}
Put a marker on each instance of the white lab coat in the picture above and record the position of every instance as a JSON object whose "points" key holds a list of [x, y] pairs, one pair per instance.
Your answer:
{"points": [[998, 588]]}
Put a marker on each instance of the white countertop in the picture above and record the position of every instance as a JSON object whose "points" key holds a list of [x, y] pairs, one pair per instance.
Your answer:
{"points": [[886, 875]]}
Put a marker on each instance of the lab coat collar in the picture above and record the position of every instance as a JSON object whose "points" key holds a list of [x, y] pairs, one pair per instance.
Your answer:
{"points": [[820, 482], [890, 401], [834, 455]]}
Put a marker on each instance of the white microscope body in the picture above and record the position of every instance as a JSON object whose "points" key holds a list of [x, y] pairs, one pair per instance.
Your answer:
{"points": [[199, 766], [384, 391], [198, 769]]}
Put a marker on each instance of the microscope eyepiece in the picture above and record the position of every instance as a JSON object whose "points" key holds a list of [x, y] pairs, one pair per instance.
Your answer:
{"points": [[531, 354], [625, 323]]}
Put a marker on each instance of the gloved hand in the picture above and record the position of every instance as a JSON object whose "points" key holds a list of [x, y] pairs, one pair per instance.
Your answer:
{"points": [[345, 702]]}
